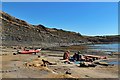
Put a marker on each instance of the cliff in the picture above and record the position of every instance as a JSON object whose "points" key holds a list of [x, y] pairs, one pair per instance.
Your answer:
{"points": [[19, 32]]}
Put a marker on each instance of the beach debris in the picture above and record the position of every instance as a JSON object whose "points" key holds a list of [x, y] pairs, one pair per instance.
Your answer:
{"points": [[94, 57], [14, 53], [103, 63], [38, 56], [45, 62], [68, 72], [87, 76], [87, 64]]}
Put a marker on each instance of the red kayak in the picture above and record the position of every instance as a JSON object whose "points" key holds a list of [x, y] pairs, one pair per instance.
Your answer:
{"points": [[29, 51]]}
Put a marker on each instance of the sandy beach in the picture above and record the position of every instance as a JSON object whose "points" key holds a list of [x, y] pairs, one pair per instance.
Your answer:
{"points": [[59, 39], [14, 66]]}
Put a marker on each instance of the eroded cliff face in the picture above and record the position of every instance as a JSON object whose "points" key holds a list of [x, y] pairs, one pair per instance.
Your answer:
{"points": [[17, 32]]}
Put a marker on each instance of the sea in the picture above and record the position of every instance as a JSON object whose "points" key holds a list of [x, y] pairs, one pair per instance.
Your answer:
{"points": [[114, 47]]}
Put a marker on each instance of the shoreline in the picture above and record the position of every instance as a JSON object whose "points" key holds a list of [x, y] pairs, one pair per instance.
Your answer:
{"points": [[16, 62]]}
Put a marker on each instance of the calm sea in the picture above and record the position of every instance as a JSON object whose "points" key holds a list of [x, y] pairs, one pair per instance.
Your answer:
{"points": [[105, 47]]}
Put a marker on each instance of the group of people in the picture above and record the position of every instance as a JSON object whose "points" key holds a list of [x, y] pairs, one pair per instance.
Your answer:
{"points": [[76, 57]]}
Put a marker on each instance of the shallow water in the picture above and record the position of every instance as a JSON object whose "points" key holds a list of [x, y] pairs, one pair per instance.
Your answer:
{"points": [[108, 48], [112, 62], [105, 47], [78, 62], [115, 62]]}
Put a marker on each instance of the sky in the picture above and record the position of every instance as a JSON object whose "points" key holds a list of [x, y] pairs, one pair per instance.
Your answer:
{"points": [[87, 18]]}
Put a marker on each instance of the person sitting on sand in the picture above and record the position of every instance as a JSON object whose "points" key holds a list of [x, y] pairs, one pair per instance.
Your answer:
{"points": [[75, 56], [66, 55], [79, 56], [82, 58]]}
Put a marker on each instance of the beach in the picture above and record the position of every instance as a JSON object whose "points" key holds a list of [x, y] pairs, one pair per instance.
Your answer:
{"points": [[59, 40], [13, 66]]}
